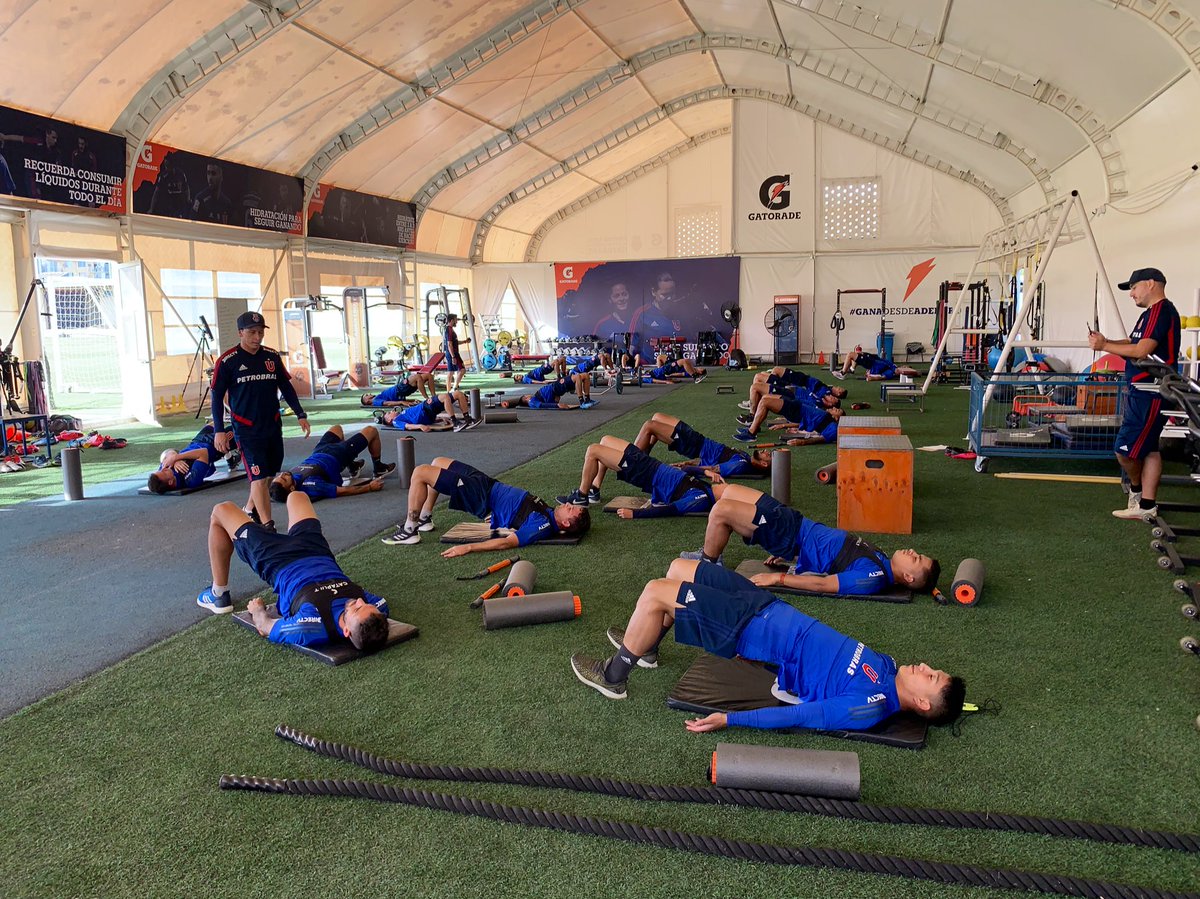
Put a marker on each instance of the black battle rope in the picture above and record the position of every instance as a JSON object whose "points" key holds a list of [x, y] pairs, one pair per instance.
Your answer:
{"points": [[865, 862], [780, 802]]}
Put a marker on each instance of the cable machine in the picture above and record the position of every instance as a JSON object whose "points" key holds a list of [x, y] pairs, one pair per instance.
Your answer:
{"points": [[439, 299]]}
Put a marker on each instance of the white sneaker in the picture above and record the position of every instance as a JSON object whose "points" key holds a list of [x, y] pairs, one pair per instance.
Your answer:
{"points": [[841, 376], [1135, 512], [744, 404]]}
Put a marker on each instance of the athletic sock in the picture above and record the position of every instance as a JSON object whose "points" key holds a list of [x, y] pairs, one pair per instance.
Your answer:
{"points": [[1135, 488], [410, 522], [705, 557], [661, 636], [1148, 503], [219, 589], [620, 665]]}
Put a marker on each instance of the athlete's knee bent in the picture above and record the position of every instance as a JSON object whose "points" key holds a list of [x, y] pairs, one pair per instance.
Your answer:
{"points": [[682, 569]]}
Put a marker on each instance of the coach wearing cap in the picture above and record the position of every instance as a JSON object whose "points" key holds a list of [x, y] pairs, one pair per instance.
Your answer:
{"points": [[253, 376], [1157, 332]]}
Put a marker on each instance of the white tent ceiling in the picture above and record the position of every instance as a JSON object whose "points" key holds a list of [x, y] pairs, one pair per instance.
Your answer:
{"points": [[508, 112]]}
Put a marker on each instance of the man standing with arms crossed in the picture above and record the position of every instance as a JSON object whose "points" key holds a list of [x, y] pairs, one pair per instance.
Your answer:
{"points": [[253, 376], [1157, 332], [455, 369]]}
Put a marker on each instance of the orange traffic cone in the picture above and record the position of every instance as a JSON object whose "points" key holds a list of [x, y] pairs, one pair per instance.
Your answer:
{"points": [[821, 358]]}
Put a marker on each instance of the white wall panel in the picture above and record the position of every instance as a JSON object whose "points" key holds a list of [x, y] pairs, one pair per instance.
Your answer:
{"points": [[772, 142], [762, 280]]}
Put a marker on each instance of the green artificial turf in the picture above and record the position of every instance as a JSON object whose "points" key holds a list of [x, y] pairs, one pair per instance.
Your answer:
{"points": [[110, 787]]}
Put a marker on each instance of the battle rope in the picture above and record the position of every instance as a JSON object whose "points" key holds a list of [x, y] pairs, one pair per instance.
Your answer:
{"points": [[784, 802], [865, 862]]}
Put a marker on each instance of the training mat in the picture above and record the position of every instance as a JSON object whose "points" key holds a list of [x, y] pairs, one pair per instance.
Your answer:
{"points": [[713, 684], [440, 426], [334, 654], [477, 532], [218, 477], [751, 567], [639, 502]]}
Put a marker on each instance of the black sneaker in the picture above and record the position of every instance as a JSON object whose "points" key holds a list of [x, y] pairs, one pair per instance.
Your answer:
{"points": [[593, 496], [745, 419], [253, 513], [460, 424], [616, 636], [233, 459], [425, 523], [355, 467], [591, 672], [384, 468], [404, 536], [473, 423], [574, 498]]}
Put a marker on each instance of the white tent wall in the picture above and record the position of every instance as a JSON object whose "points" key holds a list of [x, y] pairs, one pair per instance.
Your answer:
{"points": [[631, 223], [765, 277], [910, 320], [774, 153]]}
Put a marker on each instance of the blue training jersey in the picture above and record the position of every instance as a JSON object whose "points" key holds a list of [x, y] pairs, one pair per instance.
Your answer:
{"points": [[816, 418], [198, 469], [512, 508], [818, 547], [319, 476], [425, 413], [1161, 323], [394, 394], [303, 625], [727, 461], [841, 683], [552, 393]]}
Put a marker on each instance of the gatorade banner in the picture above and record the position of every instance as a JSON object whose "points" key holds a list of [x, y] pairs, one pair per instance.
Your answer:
{"points": [[182, 185], [648, 300], [337, 214], [44, 159]]}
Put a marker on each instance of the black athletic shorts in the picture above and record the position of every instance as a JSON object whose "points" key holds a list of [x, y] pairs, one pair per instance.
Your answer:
{"points": [[345, 451], [262, 454], [468, 488], [716, 607], [266, 552], [637, 468], [686, 441], [776, 527]]}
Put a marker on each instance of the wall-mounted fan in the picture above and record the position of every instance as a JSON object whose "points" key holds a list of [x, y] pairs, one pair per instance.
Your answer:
{"points": [[731, 314]]}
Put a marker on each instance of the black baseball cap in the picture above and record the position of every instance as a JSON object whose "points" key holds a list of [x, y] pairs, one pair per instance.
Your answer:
{"points": [[254, 320], [1143, 274]]}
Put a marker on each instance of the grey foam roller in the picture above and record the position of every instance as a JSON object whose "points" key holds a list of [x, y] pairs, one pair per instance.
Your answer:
{"points": [[968, 582], [808, 772], [522, 578], [474, 403], [406, 460], [72, 473], [536, 608], [826, 474], [781, 476], [503, 418]]}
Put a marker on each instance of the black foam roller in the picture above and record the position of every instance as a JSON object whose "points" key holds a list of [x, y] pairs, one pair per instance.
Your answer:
{"points": [[826, 474], [522, 578], [968, 582], [536, 608], [781, 476], [72, 473], [406, 460], [474, 403], [808, 772]]}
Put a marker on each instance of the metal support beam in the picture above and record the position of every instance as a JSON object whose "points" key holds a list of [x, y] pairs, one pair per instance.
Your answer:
{"points": [[722, 93], [898, 34]]}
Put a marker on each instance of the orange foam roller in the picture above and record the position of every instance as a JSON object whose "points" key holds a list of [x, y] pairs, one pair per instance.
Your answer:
{"points": [[968, 582]]}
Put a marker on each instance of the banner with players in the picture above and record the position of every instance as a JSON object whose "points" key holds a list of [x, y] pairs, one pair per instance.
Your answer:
{"points": [[44, 159], [338, 214], [182, 185], [647, 305]]}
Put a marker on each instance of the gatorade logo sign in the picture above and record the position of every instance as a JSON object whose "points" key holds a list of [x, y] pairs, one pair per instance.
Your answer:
{"points": [[775, 197]]}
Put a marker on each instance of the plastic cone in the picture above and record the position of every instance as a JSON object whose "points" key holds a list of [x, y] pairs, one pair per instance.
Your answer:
{"points": [[821, 358]]}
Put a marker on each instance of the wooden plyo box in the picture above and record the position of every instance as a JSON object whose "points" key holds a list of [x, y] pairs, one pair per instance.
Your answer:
{"points": [[875, 483], [868, 424]]}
